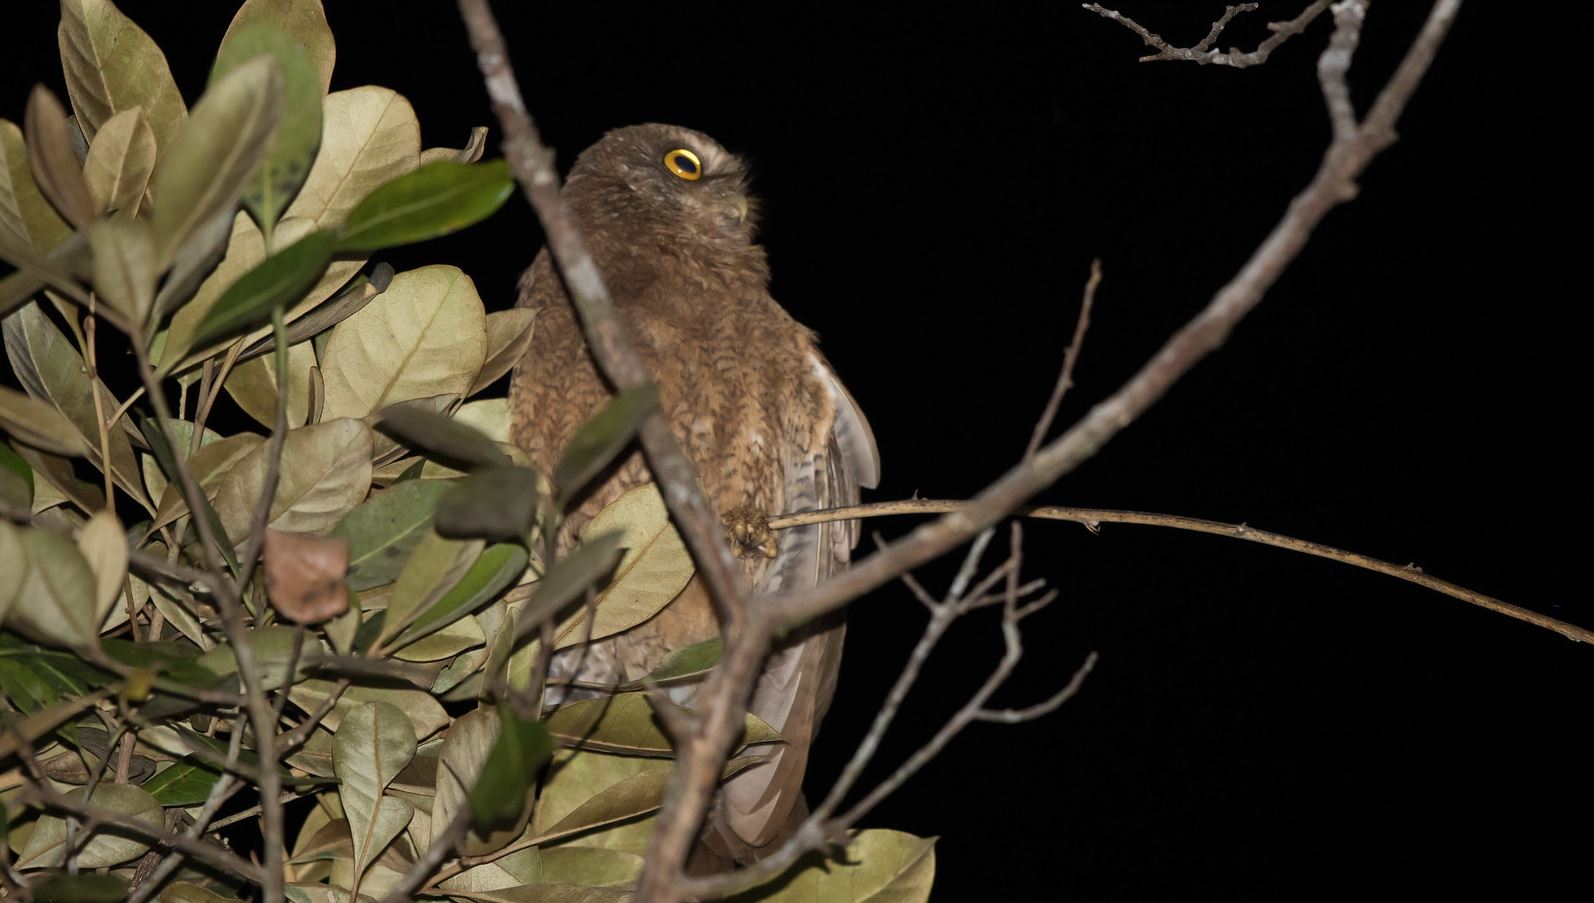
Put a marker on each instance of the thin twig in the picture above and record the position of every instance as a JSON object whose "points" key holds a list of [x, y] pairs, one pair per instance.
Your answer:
{"points": [[1093, 517], [1065, 378], [1202, 53]]}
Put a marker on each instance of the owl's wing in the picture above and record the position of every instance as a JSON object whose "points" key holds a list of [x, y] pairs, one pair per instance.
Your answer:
{"points": [[799, 679]]}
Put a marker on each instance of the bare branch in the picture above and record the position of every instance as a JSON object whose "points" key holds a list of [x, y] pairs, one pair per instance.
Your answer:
{"points": [[1065, 379], [1093, 517], [1202, 53]]}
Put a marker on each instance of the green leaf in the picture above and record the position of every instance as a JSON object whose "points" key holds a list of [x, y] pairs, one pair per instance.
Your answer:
{"points": [[688, 662], [508, 336], [298, 136], [655, 568], [50, 368], [54, 160], [59, 589], [33, 677], [112, 66], [627, 724], [498, 504], [303, 20], [345, 304], [371, 747], [466, 744], [186, 782], [498, 567], [426, 338], [46, 847], [439, 437], [523, 745], [436, 565], [275, 282], [27, 220], [204, 171], [382, 531], [601, 438], [120, 160], [325, 473], [13, 566], [877, 866], [125, 268], [16, 481], [35, 423], [87, 888], [436, 199], [567, 579]]}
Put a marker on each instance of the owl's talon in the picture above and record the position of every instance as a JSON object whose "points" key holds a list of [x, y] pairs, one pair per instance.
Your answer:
{"points": [[749, 533]]}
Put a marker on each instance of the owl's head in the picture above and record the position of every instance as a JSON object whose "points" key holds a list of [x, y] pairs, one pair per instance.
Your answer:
{"points": [[667, 174]]}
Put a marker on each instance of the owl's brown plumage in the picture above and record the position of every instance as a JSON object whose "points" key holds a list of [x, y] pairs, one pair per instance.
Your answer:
{"points": [[747, 393]]}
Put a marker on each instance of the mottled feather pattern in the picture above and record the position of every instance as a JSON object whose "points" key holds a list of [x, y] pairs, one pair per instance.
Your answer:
{"points": [[745, 390]]}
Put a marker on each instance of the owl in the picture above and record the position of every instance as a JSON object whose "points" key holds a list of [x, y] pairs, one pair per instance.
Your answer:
{"points": [[666, 215]]}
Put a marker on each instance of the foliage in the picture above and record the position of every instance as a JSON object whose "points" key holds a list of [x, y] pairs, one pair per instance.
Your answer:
{"points": [[395, 620]]}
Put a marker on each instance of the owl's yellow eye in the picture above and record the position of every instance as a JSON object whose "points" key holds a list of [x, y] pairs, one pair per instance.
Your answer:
{"points": [[684, 163]]}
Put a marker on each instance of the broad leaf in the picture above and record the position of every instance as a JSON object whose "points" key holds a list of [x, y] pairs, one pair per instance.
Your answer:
{"points": [[275, 282], [103, 543], [111, 66], [120, 160], [520, 750], [493, 571], [186, 782], [433, 569], [125, 266], [298, 136], [303, 20], [54, 161], [426, 338], [371, 135], [627, 724], [81, 888], [655, 568], [436, 199], [27, 220], [567, 579], [440, 437], [203, 172], [371, 747], [59, 591], [383, 530], [325, 473], [253, 385], [40, 425], [498, 504], [304, 576], [46, 847], [877, 866], [688, 662]]}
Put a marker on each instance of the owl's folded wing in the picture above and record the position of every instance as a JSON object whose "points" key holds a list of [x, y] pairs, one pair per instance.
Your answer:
{"points": [[799, 679]]}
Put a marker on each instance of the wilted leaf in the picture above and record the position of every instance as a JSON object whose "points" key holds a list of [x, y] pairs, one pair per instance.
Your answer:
{"points": [[440, 437], [426, 338], [493, 571], [103, 543], [655, 568], [500, 793], [370, 135], [253, 385], [50, 368], [383, 530], [54, 161], [690, 661], [436, 199], [210, 466], [35, 423], [59, 589], [111, 65], [304, 20], [508, 336], [27, 220], [203, 172], [371, 747], [877, 866], [55, 482], [120, 160], [585, 866], [125, 268], [277, 281], [433, 568], [85, 888], [326, 471], [470, 153], [272, 646], [603, 437], [498, 504], [46, 848], [298, 136], [567, 579], [304, 575]]}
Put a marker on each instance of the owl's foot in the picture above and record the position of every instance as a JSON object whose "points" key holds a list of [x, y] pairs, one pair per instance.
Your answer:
{"points": [[749, 534]]}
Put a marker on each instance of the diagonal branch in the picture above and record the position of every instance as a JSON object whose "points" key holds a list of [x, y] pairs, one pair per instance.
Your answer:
{"points": [[1202, 53]]}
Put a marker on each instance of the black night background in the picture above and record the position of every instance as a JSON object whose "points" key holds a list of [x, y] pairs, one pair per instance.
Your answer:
{"points": [[935, 184]]}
